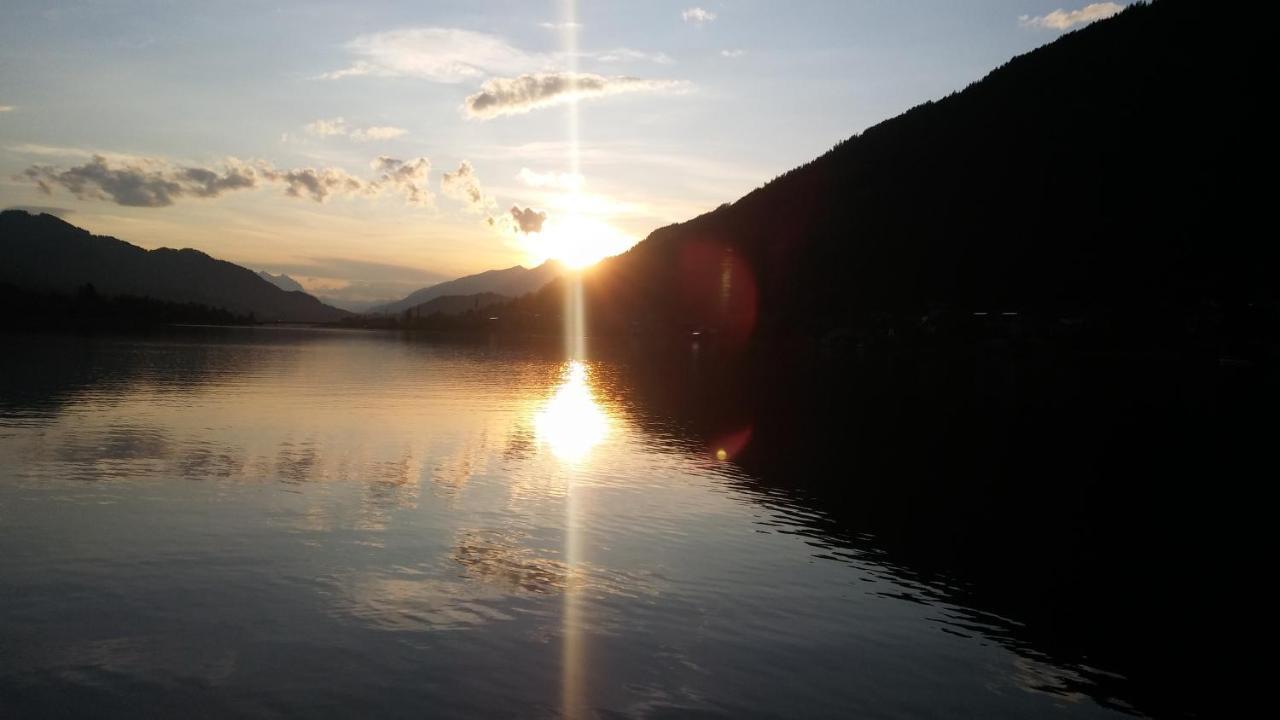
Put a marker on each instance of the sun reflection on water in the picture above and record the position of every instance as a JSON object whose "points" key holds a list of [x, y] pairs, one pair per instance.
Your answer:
{"points": [[571, 423]]}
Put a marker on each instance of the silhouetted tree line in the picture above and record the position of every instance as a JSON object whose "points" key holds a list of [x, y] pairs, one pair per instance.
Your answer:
{"points": [[87, 309]]}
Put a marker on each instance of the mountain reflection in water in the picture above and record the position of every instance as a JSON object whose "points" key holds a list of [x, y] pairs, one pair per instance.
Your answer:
{"points": [[253, 522]]}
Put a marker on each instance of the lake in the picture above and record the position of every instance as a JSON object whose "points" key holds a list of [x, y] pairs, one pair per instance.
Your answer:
{"points": [[299, 522]]}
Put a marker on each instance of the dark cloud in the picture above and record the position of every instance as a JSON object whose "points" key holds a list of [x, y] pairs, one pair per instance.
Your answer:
{"points": [[207, 183], [149, 182], [528, 220], [138, 182], [508, 96], [316, 184]]}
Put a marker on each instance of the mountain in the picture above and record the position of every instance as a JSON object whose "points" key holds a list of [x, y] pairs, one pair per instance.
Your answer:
{"points": [[1106, 174], [456, 304], [44, 253], [282, 281], [512, 282]]}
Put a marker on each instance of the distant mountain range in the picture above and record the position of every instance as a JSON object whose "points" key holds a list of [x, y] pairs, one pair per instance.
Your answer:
{"points": [[44, 253], [511, 282], [282, 281]]}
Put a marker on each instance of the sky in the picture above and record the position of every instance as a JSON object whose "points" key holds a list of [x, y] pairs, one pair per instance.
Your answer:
{"points": [[368, 149]]}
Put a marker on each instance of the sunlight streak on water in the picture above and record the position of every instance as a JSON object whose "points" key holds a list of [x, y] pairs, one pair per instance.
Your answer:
{"points": [[571, 423]]}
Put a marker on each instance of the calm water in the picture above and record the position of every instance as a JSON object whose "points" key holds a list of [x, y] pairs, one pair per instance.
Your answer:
{"points": [[307, 523]]}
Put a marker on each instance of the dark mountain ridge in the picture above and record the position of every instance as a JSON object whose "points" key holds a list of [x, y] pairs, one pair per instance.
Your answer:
{"points": [[44, 253], [1105, 173]]}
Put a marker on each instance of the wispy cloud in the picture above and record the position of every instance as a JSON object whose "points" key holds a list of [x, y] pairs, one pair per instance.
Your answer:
{"points": [[155, 182], [446, 55], [732, 53], [464, 185], [560, 25], [338, 127], [560, 181], [377, 132], [1067, 19], [623, 54], [6, 108], [52, 150], [327, 128], [511, 96], [697, 16]]}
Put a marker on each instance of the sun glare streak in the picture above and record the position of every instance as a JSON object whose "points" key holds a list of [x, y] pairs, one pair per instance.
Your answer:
{"points": [[571, 422]]}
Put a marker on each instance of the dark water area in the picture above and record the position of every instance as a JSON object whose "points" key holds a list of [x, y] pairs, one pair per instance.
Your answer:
{"points": [[290, 522]]}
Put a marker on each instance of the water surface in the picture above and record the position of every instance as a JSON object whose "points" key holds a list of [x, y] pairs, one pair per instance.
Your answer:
{"points": [[273, 522]]}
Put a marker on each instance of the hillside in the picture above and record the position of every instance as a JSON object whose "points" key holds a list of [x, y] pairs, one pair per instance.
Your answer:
{"points": [[456, 304], [1104, 174], [44, 253], [511, 282]]}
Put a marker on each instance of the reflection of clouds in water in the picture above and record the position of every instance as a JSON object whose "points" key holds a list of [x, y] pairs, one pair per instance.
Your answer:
{"points": [[522, 443], [1076, 685], [389, 485], [495, 557], [452, 469], [413, 602], [120, 451], [296, 463], [201, 460]]}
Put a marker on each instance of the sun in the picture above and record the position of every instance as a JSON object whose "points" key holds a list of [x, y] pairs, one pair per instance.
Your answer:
{"points": [[576, 241]]}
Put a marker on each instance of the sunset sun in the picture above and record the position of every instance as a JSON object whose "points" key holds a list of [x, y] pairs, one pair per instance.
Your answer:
{"points": [[576, 241]]}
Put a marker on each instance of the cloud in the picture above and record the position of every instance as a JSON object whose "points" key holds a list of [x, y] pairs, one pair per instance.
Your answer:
{"points": [[6, 108], [140, 182], [560, 25], [528, 220], [58, 151], [445, 55], [697, 16], [327, 128], [732, 53], [563, 181], [408, 176], [316, 184], [338, 127], [463, 185], [1067, 19], [628, 55], [377, 132], [153, 182], [511, 96]]}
